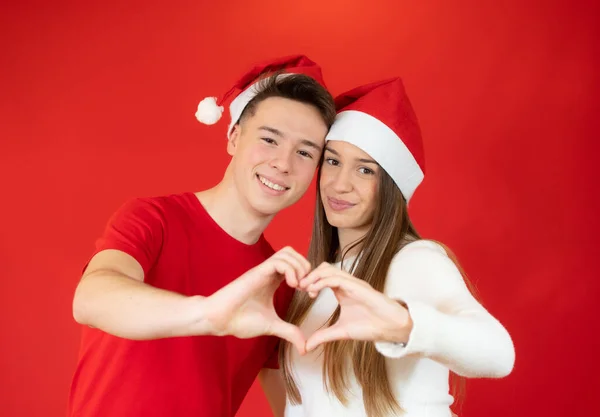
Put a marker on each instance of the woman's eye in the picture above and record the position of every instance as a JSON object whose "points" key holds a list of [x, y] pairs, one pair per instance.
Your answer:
{"points": [[331, 161], [366, 171]]}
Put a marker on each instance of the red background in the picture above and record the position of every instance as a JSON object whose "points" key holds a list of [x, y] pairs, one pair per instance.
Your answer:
{"points": [[97, 105]]}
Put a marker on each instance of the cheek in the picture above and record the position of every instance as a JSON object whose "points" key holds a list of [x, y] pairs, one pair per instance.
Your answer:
{"points": [[254, 155], [369, 196], [322, 183], [326, 177], [305, 172]]}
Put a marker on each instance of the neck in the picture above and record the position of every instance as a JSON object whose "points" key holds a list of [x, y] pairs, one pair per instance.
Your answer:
{"points": [[232, 213], [347, 237]]}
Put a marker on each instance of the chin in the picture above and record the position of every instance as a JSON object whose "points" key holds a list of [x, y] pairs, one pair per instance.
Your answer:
{"points": [[337, 220], [268, 208]]}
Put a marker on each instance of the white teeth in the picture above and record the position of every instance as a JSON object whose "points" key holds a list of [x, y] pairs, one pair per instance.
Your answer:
{"points": [[270, 184]]}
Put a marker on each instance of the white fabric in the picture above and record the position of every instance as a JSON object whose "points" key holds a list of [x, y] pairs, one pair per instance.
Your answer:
{"points": [[452, 331], [381, 143]]}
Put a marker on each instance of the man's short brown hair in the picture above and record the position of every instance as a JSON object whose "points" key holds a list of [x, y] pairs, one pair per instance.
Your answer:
{"points": [[297, 87]]}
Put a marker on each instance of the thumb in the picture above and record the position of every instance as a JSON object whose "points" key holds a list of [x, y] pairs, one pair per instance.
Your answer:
{"points": [[329, 334], [290, 333]]}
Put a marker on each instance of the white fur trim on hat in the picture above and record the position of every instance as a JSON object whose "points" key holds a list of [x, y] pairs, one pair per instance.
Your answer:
{"points": [[382, 144]]}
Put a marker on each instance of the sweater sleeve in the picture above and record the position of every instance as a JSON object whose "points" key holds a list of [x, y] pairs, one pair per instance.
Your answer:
{"points": [[449, 325]]}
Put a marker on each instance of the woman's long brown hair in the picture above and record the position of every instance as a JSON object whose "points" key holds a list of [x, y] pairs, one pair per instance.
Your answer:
{"points": [[390, 230]]}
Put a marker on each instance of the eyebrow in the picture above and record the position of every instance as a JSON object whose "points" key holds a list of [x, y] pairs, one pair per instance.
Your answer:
{"points": [[366, 161], [277, 132]]}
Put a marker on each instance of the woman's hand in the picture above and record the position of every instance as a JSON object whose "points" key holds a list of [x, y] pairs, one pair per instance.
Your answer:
{"points": [[366, 314]]}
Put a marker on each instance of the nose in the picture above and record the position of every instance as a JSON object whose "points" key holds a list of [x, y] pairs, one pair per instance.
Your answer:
{"points": [[341, 181], [282, 160]]}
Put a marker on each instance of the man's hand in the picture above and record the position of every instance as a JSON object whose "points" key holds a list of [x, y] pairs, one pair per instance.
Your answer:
{"points": [[245, 309], [366, 314]]}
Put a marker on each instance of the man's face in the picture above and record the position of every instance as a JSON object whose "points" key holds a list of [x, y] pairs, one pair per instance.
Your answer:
{"points": [[275, 153]]}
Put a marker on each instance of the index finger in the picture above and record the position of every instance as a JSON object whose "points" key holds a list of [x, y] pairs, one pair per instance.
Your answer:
{"points": [[334, 281], [322, 271], [284, 268], [301, 259]]}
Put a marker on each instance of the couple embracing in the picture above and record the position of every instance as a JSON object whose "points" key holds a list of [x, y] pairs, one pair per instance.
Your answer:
{"points": [[185, 303]]}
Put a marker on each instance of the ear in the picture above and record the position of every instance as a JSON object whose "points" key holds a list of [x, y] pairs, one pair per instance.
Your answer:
{"points": [[234, 139]]}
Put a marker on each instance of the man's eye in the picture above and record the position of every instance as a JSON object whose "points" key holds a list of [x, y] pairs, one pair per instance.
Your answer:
{"points": [[269, 140], [305, 154]]}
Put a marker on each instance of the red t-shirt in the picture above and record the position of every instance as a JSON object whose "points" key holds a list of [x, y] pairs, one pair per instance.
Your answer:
{"points": [[181, 249]]}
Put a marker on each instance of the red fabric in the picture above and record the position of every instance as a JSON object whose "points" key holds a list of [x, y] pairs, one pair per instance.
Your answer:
{"points": [[181, 249], [293, 64], [388, 102]]}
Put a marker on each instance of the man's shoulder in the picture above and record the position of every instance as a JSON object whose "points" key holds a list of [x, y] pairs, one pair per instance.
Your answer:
{"points": [[157, 213], [165, 204], [166, 200]]}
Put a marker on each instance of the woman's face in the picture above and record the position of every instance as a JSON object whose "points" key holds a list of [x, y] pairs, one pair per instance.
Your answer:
{"points": [[349, 181]]}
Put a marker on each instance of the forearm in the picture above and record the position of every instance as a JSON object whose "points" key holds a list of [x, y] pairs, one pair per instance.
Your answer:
{"points": [[471, 345], [475, 346], [449, 325], [131, 309]]}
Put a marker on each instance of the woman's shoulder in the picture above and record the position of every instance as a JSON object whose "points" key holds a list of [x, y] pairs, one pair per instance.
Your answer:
{"points": [[425, 262], [422, 254], [423, 246]]}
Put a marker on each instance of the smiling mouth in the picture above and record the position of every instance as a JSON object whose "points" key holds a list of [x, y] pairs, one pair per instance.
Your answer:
{"points": [[339, 205], [271, 185]]}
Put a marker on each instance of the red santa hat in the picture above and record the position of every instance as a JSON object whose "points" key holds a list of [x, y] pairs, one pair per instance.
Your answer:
{"points": [[210, 109], [379, 119]]}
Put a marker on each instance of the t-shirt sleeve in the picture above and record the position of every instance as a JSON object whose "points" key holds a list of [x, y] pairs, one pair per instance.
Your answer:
{"points": [[136, 228]]}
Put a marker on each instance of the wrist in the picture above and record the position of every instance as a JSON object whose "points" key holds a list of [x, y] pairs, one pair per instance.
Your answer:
{"points": [[401, 324], [200, 322]]}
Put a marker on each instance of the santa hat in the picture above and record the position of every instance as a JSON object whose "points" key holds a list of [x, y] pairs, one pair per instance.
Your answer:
{"points": [[379, 119], [210, 109]]}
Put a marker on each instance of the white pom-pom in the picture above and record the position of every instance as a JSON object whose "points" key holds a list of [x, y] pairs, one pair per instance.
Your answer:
{"points": [[208, 112]]}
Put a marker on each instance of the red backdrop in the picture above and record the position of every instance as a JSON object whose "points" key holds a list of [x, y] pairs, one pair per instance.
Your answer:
{"points": [[97, 105]]}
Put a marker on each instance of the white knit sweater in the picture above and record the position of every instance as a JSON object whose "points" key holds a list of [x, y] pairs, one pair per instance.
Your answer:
{"points": [[451, 331]]}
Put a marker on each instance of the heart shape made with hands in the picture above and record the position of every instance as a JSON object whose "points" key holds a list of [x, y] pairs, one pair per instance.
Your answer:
{"points": [[365, 313], [245, 309]]}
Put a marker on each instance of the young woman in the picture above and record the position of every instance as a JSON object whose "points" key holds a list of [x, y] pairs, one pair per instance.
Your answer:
{"points": [[388, 315]]}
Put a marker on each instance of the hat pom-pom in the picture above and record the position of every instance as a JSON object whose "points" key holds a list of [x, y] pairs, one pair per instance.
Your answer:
{"points": [[208, 112]]}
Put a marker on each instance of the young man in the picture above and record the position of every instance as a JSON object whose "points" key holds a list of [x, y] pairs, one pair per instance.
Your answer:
{"points": [[182, 297]]}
